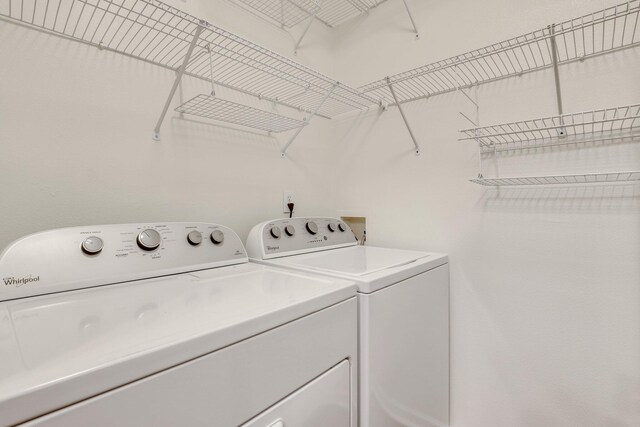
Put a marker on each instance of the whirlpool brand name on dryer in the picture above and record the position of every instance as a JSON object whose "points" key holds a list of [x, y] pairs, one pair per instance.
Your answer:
{"points": [[18, 282]]}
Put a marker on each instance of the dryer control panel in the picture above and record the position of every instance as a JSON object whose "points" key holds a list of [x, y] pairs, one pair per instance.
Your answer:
{"points": [[81, 257], [293, 236]]}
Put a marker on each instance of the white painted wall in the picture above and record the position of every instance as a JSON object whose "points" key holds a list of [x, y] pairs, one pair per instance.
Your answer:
{"points": [[545, 282], [76, 147], [545, 298]]}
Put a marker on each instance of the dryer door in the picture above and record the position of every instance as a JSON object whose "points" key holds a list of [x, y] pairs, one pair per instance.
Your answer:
{"points": [[322, 402]]}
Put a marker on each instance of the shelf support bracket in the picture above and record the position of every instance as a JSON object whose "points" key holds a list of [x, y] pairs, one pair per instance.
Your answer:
{"points": [[415, 28], [304, 33], [308, 119], [476, 125], [404, 118], [181, 70], [556, 74]]}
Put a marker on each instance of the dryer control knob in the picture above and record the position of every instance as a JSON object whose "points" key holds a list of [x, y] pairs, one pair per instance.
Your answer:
{"points": [[217, 237], [312, 227], [149, 239], [331, 227], [92, 245], [194, 237], [275, 232], [342, 227], [290, 230]]}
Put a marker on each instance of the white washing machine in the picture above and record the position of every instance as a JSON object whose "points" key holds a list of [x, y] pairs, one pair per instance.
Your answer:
{"points": [[403, 301], [153, 325]]}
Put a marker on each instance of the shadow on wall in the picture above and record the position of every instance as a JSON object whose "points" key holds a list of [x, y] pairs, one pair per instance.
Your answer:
{"points": [[585, 198], [188, 130]]}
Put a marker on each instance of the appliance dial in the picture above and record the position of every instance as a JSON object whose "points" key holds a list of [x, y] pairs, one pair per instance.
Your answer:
{"points": [[275, 232], [217, 237], [331, 227], [312, 227], [92, 245], [149, 239], [194, 237], [290, 230], [342, 227]]}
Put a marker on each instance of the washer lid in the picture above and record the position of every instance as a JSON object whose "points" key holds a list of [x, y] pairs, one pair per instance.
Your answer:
{"points": [[59, 349], [356, 260], [372, 268]]}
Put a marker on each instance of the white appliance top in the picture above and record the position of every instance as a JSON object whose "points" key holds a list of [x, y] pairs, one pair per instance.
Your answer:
{"points": [[81, 257], [63, 347], [294, 236], [355, 260], [372, 268]]}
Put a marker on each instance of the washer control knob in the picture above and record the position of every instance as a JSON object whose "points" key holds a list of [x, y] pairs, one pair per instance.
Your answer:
{"points": [[342, 227], [194, 237], [290, 230], [92, 245], [312, 227], [331, 227], [149, 239], [217, 237], [275, 232]]}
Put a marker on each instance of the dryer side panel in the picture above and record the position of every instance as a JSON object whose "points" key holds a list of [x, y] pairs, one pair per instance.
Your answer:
{"points": [[404, 353]]}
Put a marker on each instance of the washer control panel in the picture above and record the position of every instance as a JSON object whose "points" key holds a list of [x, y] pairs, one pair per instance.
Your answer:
{"points": [[79, 257], [291, 236]]}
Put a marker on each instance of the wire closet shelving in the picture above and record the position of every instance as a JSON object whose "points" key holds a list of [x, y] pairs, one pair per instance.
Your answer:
{"points": [[288, 13], [336, 12], [590, 178], [598, 125], [619, 124], [154, 32], [608, 30], [212, 107]]}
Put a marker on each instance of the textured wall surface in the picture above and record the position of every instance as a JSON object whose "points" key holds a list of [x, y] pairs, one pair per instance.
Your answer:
{"points": [[545, 282]]}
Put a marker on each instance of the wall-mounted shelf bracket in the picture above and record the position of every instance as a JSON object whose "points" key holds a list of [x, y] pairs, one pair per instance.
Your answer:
{"points": [[304, 33], [181, 70], [308, 119], [404, 118], [476, 124], [413, 23], [556, 74]]}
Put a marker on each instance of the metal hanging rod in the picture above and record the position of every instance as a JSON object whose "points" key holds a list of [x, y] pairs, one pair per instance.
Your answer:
{"points": [[154, 32], [597, 125], [590, 178], [608, 30], [211, 107]]}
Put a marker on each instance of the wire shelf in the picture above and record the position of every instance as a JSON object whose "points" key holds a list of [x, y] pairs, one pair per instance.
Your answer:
{"points": [[332, 13], [596, 125], [608, 30], [152, 31], [215, 108], [287, 13], [590, 178], [336, 12]]}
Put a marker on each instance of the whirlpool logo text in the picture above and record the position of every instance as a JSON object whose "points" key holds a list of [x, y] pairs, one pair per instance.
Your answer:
{"points": [[20, 281]]}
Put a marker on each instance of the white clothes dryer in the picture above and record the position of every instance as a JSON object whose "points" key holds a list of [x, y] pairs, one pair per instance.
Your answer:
{"points": [[403, 299], [152, 325]]}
